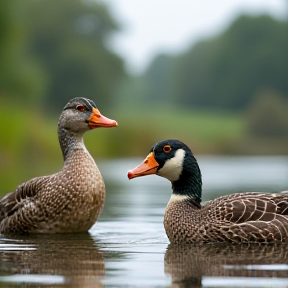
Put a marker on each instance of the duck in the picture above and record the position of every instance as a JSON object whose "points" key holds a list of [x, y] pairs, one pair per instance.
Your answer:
{"points": [[244, 217], [70, 200]]}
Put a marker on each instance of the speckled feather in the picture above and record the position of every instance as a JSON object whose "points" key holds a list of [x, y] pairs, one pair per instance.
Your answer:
{"points": [[240, 217], [68, 201]]}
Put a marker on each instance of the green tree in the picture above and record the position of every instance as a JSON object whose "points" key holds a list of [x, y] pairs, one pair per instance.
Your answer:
{"points": [[70, 38], [225, 71], [20, 77], [267, 116], [228, 70]]}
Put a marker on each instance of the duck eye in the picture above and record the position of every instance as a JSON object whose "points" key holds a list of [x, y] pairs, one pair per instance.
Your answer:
{"points": [[167, 148], [80, 108]]}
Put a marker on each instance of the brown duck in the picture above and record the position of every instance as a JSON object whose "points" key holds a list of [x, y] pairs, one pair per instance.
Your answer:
{"points": [[240, 217], [70, 200]]}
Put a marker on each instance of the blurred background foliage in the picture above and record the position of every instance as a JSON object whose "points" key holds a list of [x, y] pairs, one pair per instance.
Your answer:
{"points": [[224, 95]]}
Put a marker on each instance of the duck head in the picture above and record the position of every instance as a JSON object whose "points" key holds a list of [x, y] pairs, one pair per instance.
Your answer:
{"points": [[173, 160], [81, 114]]}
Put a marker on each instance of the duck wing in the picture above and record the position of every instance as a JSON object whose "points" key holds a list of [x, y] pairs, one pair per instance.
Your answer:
{"points": [[252, 217], [24, 194]]}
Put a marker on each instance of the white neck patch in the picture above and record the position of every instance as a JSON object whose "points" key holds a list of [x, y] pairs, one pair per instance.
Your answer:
{"points": [[173, 167], [178, 198]]}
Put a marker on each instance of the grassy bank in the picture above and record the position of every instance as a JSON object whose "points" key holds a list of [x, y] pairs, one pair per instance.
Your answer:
{"points": [[205, 131]]}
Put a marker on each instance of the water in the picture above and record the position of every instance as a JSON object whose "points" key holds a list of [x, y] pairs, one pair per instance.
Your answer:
{"points": [[128, 246]]}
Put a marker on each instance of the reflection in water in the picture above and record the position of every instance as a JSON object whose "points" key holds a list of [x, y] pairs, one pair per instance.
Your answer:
{"points": [[188, 264], [75, 257], [131, 236]]}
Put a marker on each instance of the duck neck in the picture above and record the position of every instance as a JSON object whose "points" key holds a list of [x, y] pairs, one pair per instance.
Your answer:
{"points": [[189, 183], [69, 141]]}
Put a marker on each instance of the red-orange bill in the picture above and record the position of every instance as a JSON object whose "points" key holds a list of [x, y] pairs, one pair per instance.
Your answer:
{"points": [[149, 166], [98, 120]]}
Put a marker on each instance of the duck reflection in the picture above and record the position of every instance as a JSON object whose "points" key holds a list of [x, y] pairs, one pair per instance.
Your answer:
{"points": [[76, 257], [188, 264]]}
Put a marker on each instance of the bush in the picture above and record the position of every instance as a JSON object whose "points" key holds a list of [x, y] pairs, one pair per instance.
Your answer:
{"points": [[267, 116]]}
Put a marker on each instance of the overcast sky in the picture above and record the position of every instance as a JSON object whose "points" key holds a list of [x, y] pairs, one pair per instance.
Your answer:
{"points": [[153, 26]]}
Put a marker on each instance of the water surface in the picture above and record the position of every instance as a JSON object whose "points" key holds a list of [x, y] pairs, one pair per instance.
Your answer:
{"points": [[128, 246]]}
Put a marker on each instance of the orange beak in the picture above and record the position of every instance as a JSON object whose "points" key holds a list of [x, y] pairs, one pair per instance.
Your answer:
{"points": [[149, 166], [97, 120]]}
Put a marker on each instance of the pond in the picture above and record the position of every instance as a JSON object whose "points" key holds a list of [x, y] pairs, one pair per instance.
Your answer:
{"points": [[128, 246]]}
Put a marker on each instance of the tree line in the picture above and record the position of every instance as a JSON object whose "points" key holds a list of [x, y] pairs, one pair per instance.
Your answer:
{"points": [[52, 51], [227, 71]]}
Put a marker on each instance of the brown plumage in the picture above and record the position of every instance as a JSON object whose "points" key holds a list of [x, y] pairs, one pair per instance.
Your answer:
{"points": [[240, 217], [70, 200]]}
